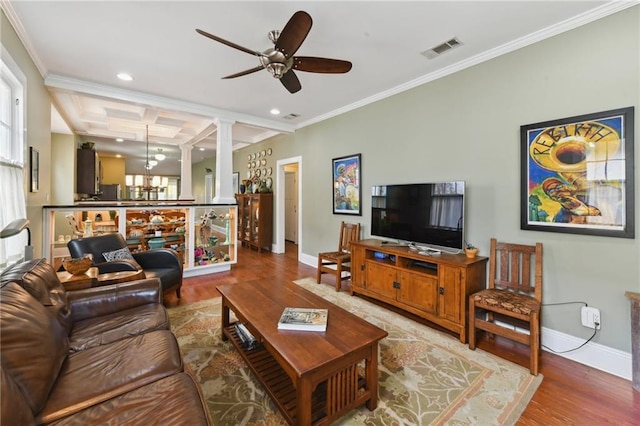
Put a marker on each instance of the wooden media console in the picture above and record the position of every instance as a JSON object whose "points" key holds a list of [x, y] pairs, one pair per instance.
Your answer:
{"points": [[434, 287]]}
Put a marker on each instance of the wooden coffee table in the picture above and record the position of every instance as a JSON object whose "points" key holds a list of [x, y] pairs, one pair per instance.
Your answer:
{"points": [[313, 377]]}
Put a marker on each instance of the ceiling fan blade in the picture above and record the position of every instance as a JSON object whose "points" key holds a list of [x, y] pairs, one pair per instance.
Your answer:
{"points": [[322, 65], [245, 72], [294, 33], [229, 43], [290, 81]]}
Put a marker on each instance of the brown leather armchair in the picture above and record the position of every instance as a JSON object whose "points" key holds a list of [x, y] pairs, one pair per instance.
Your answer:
{"points": [[163, 264]]}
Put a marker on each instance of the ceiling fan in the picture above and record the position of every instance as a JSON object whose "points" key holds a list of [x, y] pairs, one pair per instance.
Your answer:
{"points": [[279, 60]]}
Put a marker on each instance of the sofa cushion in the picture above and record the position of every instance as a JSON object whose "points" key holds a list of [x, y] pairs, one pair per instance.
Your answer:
{"points": [[172, 400], [100, 373], [34, 345], [14, 409], [106, 329], [40, 280]]}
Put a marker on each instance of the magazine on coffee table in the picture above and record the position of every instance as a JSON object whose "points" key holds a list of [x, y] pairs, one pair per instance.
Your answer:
{"points": [[303, 319]]}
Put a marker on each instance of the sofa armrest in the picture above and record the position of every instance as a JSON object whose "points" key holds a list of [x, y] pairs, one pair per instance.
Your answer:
{"points": [[163, 257], [117, 266], [98, 301]]}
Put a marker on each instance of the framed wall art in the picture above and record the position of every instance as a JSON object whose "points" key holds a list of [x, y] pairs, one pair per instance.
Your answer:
{"points": [[34, 169], [347, 191], [577, 175]]}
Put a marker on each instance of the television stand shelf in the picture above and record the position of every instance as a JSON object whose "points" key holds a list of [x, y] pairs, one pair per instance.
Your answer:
{"points": [[435, 288]]}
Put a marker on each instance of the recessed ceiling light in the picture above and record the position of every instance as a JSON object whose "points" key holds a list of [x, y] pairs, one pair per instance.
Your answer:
{"points": [[275, 111], [201, 149], [118, 156], [119, 140], [124, 76]]}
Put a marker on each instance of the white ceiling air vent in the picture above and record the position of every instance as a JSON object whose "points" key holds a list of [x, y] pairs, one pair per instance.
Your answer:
{"points": [[441, 48], [291, 116]]}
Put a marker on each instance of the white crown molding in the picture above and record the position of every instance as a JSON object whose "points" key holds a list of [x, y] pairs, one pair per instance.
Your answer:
{"points": [[58, 82], [564, 26], [12, 16]]}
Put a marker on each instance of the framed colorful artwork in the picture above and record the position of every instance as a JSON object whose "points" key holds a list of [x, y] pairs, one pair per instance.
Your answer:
{"points": [[347, 191], [577, 175]]}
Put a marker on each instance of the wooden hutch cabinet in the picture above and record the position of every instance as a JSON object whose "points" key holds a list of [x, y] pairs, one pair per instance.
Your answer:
{"points": [[255, 220], [87, 171], [435, 288]]}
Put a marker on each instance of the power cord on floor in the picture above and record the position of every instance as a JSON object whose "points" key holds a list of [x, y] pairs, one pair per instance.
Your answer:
{"points": [[595, 330]]}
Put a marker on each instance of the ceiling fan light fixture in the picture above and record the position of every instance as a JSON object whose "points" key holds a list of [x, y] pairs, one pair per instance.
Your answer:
{"points": [[277, 69]]}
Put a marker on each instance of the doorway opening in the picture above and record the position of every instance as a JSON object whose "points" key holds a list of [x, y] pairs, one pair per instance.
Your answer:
{"points": [[288, 203]]}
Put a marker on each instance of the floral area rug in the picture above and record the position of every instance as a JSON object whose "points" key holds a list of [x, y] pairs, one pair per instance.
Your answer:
{"points": [[426, 377]]}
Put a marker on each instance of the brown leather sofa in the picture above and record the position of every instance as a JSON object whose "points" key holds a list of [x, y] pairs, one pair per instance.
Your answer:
{"points": [[103, 355]]}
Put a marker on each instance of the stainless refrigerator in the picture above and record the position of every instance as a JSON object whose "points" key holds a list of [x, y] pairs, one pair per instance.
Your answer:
{"points": [[110, 192]]}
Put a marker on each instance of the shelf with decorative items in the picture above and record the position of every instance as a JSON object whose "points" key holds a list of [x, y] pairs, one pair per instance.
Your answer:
{"points": [[215, 236], [148, 226]]}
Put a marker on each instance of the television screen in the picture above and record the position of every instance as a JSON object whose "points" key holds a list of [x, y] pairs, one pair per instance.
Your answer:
{"points": [[429, 214]]}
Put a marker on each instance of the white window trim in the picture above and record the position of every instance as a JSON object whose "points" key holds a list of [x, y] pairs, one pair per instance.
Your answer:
{"points": [[13, 198]]}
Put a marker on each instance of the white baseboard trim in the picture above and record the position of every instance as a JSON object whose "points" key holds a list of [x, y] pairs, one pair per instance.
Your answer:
{"points": [[609, 360], [307, 259], [207, 269]]}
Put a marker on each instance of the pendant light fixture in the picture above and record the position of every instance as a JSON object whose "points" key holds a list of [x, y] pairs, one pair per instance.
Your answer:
{"points": [[147, 170]]}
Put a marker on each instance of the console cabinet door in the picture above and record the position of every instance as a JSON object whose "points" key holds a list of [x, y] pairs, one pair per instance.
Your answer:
{"points": [[449, 292], [380, 279], [419, 291], [357, 266]]}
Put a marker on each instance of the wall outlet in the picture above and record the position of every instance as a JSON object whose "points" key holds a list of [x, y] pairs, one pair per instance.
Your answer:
{"points": [[591, 317]]}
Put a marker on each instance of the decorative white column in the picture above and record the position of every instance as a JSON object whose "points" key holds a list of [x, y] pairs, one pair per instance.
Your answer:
{"points": [[224, 162], [185, 173]]}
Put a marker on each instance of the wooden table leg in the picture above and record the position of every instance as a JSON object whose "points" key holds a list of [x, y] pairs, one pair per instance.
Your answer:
{"points": [[303, 393], [371, 367], [225, 318]]}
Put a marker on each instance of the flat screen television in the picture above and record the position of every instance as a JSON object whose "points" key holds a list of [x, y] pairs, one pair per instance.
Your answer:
{"points": [[430, 215]]}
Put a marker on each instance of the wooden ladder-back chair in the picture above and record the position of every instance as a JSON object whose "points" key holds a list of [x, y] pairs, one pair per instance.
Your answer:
{"points": [[513, 297], [337, 262]]}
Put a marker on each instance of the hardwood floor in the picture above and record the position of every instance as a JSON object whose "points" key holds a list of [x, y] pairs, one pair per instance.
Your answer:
{"points": [[570, 394]]}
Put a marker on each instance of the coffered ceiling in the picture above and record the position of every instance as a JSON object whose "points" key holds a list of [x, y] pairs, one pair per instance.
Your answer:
{"points": [[177, 87]]}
